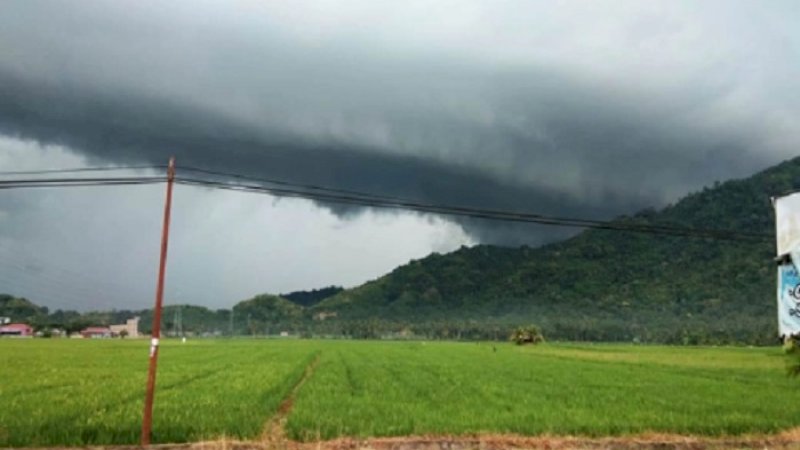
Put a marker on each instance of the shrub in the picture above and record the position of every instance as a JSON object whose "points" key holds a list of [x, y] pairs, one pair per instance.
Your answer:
{"points": [[527, 335]]}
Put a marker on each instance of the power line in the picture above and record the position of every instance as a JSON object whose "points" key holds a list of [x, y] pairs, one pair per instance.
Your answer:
{"points": [[341, 196], [78, 170], [480, 213], [577, 222], [313, 187], [77, 182]]}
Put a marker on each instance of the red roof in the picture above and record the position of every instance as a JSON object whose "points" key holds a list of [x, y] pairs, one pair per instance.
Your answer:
{"points": [[15, 326], [91, 330]]}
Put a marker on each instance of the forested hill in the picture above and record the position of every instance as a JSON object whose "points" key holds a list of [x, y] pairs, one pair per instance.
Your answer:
{"points": [[312, 297], [603, 284]]}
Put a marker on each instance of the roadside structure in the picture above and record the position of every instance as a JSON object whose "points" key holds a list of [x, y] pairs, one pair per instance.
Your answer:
{"points": [[128, 329], [325, 315], [96, 332], [16, 329], [51, 332]]}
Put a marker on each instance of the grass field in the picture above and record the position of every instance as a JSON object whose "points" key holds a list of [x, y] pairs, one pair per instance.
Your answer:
{"points": [[68, 392], [91, 391]]}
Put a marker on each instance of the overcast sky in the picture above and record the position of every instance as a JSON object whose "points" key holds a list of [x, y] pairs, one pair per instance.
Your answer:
{"points": [[585, 109]]}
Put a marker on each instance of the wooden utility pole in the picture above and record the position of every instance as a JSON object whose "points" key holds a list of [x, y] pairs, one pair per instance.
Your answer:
{"points": [[147, 415]]}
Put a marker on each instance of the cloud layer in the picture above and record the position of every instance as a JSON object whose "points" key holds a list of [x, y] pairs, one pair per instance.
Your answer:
{"points": [[573, 110], [568, 108]]}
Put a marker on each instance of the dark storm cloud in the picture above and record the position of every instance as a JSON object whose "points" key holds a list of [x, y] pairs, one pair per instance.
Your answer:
{"points": [[551, 140], [125, 129]]}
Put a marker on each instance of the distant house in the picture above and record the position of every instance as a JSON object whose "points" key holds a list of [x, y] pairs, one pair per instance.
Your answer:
{"points": [[129, 329], [324, 315], [51, 332], [96, 332], [16, 329]]}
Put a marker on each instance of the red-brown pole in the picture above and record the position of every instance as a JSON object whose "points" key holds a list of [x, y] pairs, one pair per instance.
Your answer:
{"points": [[147, 416]]}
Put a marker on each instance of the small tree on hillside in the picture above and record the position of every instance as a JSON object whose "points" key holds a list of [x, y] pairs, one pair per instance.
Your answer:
{"points": [[527, 335]]}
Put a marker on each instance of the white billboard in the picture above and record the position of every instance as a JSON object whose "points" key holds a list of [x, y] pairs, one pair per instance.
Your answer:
{"points": [[787, 223]]}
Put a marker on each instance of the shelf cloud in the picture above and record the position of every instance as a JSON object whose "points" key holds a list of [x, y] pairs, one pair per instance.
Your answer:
{"points": [[570, 109]]}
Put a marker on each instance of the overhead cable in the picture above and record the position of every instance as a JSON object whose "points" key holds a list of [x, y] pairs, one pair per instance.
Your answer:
{"points": [[349, 197], [414, 203], [313, 187], [77, 182], [478, 213], [78, 170]]}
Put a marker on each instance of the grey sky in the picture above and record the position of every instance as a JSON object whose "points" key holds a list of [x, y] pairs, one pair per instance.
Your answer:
{"points": [[571, 108]]}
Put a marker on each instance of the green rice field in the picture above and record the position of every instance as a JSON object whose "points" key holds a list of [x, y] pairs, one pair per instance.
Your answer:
{"points": [[83, 392]]}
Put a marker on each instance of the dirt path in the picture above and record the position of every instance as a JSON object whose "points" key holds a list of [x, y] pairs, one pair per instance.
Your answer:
{"points": [[274, 434], [651, 441], [789, 439]]}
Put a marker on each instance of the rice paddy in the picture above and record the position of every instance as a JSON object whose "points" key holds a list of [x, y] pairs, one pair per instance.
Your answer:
{"points": [[85, 392]]}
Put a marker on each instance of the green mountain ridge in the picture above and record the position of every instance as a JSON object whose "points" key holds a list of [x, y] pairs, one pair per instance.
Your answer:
{"points": [[620, 282]]}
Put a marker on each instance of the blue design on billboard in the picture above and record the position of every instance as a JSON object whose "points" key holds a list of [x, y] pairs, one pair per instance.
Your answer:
{"points": [[788, 300]]}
